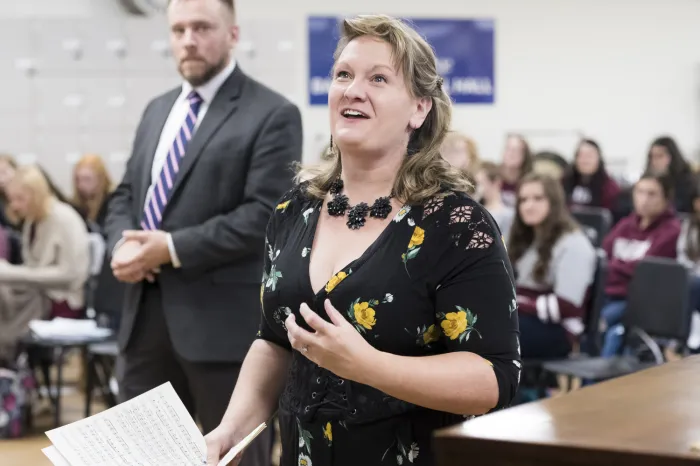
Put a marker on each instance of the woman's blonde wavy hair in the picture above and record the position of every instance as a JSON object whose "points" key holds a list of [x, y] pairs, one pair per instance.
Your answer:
{"points": [[424, 173]]}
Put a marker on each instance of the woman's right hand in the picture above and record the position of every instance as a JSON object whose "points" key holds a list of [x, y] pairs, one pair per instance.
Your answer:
{"points": [[219, 442]]}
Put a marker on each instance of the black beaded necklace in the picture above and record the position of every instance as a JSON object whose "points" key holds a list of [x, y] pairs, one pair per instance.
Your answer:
{"points": [[357, 216]]}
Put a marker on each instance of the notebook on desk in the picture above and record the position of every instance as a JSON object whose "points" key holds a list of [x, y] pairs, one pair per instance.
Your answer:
{"points": [[153, 429]]}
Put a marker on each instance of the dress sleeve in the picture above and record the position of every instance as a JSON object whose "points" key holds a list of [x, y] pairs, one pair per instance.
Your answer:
{"points": [[475, 301], [265, 330]]}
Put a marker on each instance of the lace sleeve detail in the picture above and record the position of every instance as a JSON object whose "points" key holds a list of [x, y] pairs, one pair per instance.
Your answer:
{"points": [[475, 305]]}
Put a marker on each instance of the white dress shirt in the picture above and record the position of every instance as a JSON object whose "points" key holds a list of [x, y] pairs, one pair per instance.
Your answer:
{"points": [[173, 123]]}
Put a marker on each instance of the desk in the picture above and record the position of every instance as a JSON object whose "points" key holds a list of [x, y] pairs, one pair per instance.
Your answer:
{"points": [[60, 347], [647, 418]]}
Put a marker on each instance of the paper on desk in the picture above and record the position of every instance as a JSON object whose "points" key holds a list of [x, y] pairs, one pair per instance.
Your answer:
{"points": [[153, 429], [55, 456], [68, 328]]}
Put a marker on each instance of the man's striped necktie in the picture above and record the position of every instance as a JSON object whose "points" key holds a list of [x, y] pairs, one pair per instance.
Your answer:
{"points": [[160, 194]]}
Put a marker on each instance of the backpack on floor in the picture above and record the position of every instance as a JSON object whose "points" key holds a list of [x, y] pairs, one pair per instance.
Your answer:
{"points": [[16, 386]]}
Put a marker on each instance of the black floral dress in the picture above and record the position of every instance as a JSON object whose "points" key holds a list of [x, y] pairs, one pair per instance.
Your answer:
{"points": [[436, 280]]}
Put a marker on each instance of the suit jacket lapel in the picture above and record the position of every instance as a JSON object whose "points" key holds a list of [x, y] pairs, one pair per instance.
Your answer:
{"points": [[165, 105], [222, 106]]}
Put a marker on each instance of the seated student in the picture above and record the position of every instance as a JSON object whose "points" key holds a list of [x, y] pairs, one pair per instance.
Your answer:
{"points": [[651, 230], [55, 246], [92, 187], [665, 157], [587, 182], [688, 251], [488, 184], [517, 162], [554, 263], [461, 152]]}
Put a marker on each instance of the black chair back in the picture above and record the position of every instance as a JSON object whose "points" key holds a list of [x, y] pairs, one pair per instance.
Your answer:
{"points": [[658, 299], [595, 222], [591, 339]]}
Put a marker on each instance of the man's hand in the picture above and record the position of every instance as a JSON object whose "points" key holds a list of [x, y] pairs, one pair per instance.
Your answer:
{"points": [[140, 255], [125, 264]]}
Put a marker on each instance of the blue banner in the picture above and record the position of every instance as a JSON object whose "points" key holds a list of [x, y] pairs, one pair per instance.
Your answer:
{"points": [[464, 48]]}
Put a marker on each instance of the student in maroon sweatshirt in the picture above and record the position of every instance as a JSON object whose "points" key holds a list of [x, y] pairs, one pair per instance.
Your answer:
{"points": [[587, 183], [516, 163], [651, 230], [554, 263]]}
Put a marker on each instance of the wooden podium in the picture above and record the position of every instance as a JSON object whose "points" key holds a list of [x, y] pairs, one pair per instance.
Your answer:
{"points": [[648, 418]]}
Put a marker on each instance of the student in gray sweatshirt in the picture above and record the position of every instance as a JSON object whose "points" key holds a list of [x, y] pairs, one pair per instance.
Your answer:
{"points": [[554, 263]]}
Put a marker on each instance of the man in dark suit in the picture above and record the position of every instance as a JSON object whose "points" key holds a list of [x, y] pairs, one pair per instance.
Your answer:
{"points": [[187, 223]]}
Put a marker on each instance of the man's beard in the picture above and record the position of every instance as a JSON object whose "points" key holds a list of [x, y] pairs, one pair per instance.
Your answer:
{"points": [[209, 72]]}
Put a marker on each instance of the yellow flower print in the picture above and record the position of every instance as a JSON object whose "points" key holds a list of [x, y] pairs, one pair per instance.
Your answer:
{"points": [[304, 460], [431, 335], [283, 206], [454, 324], [414, 245], [458, 325], [364, 315], [262, 291], [328, 432], [335, 280], [425, 335], [417, 238]]}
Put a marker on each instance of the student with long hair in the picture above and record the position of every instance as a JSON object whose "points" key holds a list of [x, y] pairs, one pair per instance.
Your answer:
{"points": [[517, 162], [554, 263], [665, 158], [92, 186], [55, 252], [488, 185], [652, 230], [461, 152], [8, 168], [587, 182]]}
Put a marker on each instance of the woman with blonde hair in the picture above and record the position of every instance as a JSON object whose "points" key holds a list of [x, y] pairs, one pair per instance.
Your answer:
{"points": [[55, 256], [8, 168], [461, 152], [388, 304], [92, 186]]}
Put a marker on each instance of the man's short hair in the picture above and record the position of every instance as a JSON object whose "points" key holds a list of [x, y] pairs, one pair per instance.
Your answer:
{"points": [[230, 4]]}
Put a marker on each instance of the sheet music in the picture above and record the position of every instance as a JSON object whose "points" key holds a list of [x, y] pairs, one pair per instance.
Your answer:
{"points": [[55, 456], [153, 429]]}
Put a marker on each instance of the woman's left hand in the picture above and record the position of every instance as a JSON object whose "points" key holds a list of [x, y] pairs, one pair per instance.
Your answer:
{"points": [[334, 345]]}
